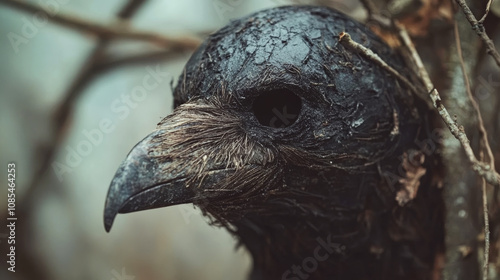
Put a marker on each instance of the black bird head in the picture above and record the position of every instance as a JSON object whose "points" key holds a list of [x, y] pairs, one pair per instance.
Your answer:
{"points": [[279, 134]]}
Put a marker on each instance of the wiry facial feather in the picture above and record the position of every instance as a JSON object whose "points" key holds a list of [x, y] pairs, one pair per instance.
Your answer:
{"points": [[201, 137]]}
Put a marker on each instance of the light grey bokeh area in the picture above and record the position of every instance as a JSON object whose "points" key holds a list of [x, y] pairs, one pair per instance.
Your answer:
{"points": [[38, 62]]}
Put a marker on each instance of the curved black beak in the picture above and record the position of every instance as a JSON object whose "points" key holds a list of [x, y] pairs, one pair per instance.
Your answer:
{"points": [[140, 184]]}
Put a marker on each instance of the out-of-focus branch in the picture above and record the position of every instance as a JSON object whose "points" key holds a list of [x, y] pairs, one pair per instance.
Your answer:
{"points": [[141, 58], [47, 150], [63, 111], [478, 27], [95, 64], [119, 30], [370, 7], [130, 9]]}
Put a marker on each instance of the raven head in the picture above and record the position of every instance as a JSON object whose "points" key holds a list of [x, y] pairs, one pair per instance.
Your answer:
{"points": [[278, 131]]}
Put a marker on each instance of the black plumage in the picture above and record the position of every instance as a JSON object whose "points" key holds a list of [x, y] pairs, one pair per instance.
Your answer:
{"points": [[302, 149]]}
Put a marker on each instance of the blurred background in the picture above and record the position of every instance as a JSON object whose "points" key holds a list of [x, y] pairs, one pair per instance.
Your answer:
{"points": [[72, 106]]}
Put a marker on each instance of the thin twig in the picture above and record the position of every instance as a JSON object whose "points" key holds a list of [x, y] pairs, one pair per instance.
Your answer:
{"points": [[488, 5], [118, 30], [481, 168], [346, 40], [478, 27], [486, 146]]}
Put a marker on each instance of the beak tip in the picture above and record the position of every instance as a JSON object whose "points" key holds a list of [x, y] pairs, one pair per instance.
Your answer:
{"points": [[107, 227], [108, 220], [110, 212]]}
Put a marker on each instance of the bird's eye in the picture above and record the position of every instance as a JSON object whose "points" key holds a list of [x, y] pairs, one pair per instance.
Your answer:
{"points": [[277, 108]]}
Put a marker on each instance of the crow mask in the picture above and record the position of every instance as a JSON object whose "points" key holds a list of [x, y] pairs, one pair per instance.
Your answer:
{"points": [[303, 149]]}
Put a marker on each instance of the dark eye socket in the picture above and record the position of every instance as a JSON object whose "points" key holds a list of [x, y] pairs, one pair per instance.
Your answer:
{"points": [[277, 108]]}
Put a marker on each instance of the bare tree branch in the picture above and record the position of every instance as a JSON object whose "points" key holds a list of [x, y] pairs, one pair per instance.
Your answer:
{"points": [[370, 7], [481, 168], [488, 5], [94, 65], [478, 27], [141, 58], [118, 30], [48, 150]]}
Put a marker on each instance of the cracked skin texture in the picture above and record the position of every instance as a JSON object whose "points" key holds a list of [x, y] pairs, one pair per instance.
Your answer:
{"points": [[297, 48], [323, 179]]}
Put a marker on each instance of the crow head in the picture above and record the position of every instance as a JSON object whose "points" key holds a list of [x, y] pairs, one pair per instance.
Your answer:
{"points": [[279, 134]]}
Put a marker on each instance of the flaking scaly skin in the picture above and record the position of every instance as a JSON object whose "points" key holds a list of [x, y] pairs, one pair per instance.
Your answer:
{"points": [[312, 197]]}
